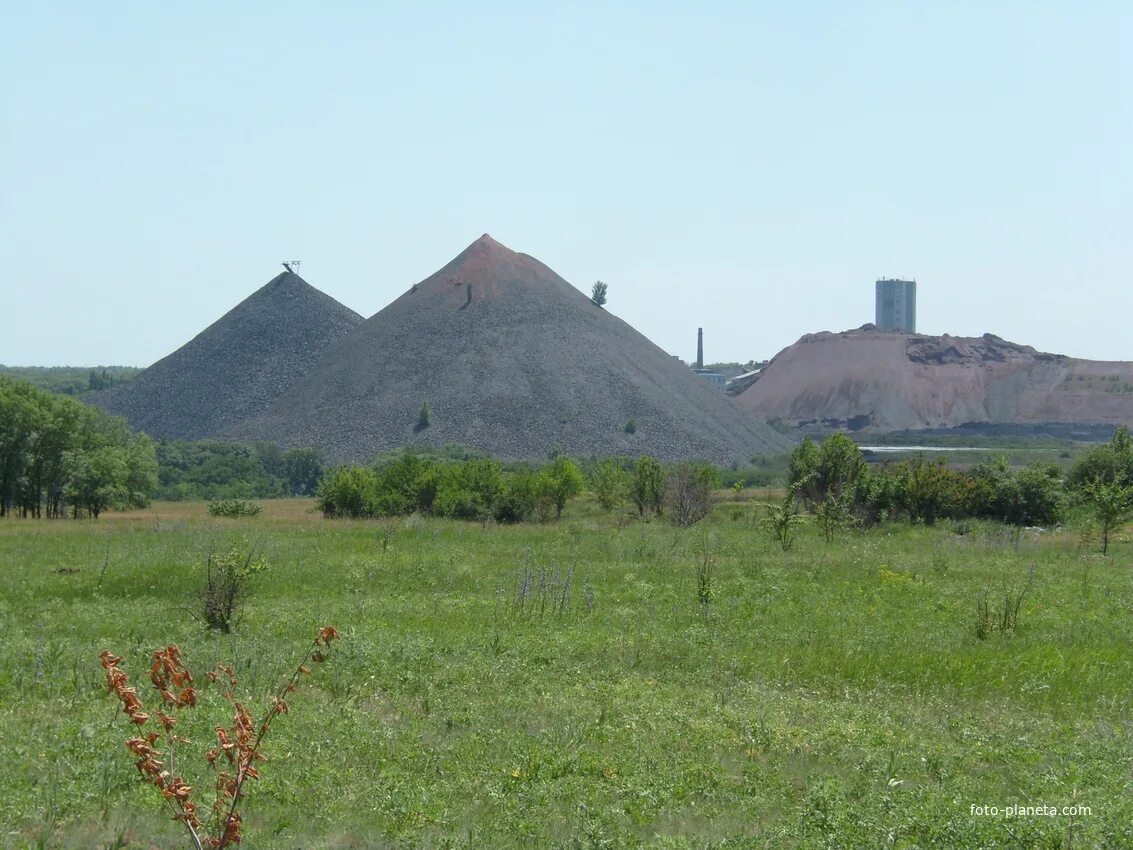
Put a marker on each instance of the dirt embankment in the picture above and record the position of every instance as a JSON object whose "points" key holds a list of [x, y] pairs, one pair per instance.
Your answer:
{"points": [[873, 381]]}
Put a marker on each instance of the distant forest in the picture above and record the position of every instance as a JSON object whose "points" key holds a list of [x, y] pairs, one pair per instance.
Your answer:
{"points": [[77, 381]]}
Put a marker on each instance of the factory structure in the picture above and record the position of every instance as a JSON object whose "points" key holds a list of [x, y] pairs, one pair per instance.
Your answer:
{"points": [[715, 379], [896, 305]]}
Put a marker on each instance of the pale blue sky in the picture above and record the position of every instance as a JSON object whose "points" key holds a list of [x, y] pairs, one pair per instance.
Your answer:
{"points": [[750, 168]]}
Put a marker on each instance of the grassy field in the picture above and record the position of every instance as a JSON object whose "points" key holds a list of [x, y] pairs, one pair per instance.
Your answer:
{"points": [[565, 686]]}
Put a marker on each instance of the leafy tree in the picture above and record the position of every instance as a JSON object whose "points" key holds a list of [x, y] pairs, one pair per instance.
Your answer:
{"points": [[648, 485], [56, 451], [836, 467], [424, 417], [302, 468], [834, 514], [925, 491], [598, 293], [517, 499], [610, 483], [215, 469], [1111, 463], [406, 485], [840, 466], [802, 471], [96, 479], [560, 481], [271, 461], [1112, 504]]}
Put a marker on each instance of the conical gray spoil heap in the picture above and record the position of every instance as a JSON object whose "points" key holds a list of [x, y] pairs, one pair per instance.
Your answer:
{"points": [[237, 367], [511, 360]]}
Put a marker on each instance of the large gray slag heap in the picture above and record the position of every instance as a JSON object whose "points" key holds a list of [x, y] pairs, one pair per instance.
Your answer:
{"points": [[235, 368], [511, 360]]}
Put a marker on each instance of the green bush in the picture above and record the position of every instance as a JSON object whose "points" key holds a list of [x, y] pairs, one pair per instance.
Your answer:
{"points": [[427, 483], [1111, 463], [227, 578], [610, 483], [648, 485], [468, 490], [517, 499], [835, 479], [1031, 496], [234, 508], [348, 491]]}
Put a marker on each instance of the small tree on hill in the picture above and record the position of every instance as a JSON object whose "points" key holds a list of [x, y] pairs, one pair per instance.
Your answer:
{"points": [[598, 293], [424, 415]]}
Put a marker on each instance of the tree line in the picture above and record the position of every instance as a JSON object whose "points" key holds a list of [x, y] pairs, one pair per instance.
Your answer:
{"points": [[215, 469], [833, 482], [58, 455], [77, 381], [478, 488]]}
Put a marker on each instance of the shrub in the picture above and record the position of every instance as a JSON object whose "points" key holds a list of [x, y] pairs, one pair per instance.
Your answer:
{"points": [[630, 426], [1004, 618], [1112, 505], [423, 417], [648, 485], [783, 520], [469, 490], [234, 508], [348, 491], [1031, 496], [705, 569], [1111, 463], [238, 745], [516, 501], [226, 586], [925, 492], [408, 484], [610, 484], [834, 514], [688, 493]]}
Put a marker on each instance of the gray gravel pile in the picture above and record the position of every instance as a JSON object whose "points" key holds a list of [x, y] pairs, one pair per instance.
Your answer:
{"points": [[236, 368], [511, 360]]}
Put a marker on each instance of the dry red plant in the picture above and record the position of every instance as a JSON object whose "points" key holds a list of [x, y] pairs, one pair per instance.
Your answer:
{"points": [[238, 745]]}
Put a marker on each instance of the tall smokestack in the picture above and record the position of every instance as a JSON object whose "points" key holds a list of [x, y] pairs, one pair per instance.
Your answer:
{"points": [[700, 348]]}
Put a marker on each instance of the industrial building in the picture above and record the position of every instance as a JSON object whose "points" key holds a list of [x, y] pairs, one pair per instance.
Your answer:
{"points": [[896, 308], [714, 379]]}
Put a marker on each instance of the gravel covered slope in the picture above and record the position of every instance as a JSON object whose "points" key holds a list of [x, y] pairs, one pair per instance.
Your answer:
{"points": [[512, 360], [235, 368]]}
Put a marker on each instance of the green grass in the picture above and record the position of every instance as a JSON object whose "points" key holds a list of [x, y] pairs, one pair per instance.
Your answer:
{"points": [[835, 696]]}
